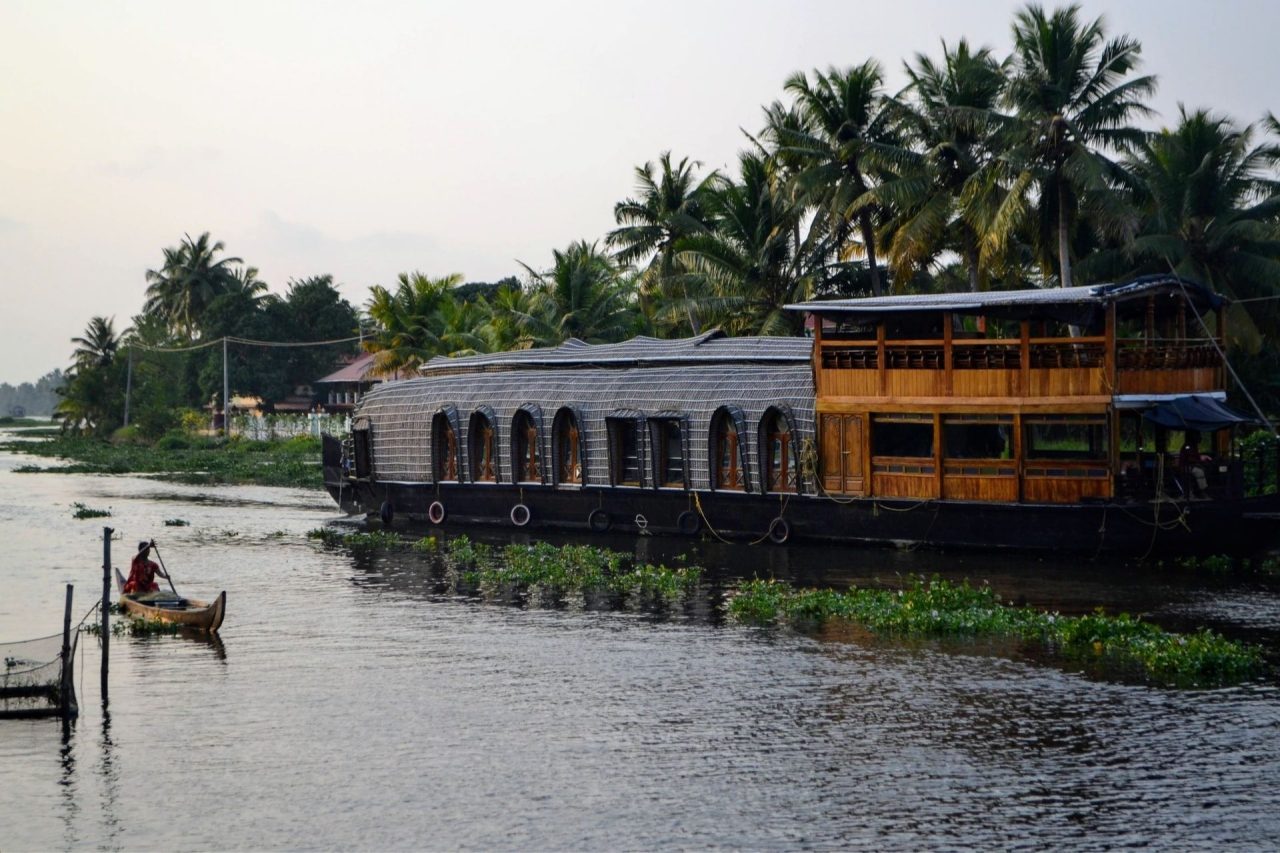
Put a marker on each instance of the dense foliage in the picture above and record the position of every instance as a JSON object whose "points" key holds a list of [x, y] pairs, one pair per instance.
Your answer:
{"points": [[982, 172]]}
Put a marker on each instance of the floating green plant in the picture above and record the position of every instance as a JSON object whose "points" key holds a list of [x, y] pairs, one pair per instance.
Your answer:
{"points": [[176, 522], [426, 543], [371, 539], [939, 608], [82, 511], [133, 626], [569, 568]]}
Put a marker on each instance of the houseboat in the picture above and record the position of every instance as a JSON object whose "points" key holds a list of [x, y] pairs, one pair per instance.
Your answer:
{"points": [[1086, 419]]}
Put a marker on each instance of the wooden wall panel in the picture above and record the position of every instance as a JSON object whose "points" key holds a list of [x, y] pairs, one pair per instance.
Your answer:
{"points": [[1168, 381], [1066, 381], [1064, 490], [985, 383], [917, 486], [971, 488], [848, 383], [915, 383]]}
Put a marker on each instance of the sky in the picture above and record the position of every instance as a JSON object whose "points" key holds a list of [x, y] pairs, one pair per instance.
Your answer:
{"points": [[369, 139]]}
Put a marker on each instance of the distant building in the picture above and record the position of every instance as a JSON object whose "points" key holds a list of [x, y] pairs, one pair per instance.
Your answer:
{"points": [[342, 389]]}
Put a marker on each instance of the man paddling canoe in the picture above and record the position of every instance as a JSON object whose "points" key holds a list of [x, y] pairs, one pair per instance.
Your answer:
{"points": [[142, 572]]}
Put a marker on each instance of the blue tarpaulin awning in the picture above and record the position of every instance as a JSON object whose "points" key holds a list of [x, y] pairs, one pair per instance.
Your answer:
{"points": [[1198, 412]]}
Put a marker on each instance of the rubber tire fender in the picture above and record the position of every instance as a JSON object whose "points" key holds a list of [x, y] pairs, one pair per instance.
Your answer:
{"points": [[599, 521], [779, 531], [688, 523], [387, 513], [436, 513], [520, 515]]}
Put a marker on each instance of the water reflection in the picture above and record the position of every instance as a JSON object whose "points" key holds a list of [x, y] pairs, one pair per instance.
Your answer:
{"points": [[369, 707], [110, 786]]}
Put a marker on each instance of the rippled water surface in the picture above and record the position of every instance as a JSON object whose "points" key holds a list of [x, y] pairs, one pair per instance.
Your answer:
{"points": [[349, 704]]}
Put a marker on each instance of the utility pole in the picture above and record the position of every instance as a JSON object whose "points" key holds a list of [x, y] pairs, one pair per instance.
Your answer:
{"points": [[226, 393], [128, 387]]}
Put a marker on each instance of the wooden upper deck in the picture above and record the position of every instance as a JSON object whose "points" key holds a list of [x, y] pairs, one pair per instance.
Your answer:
{"points": [[1053, 348]]}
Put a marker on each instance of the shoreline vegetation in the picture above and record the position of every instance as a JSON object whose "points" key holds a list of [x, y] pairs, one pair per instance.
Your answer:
{"points": [[181, 458], [1114, 646]]}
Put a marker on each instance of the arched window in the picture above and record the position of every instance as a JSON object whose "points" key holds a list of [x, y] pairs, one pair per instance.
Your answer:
{"points": [[482, 447], [778, 452], [626, 448], [666, 435], [444, 448], [526, 457], [729, 458], [567, 441]]}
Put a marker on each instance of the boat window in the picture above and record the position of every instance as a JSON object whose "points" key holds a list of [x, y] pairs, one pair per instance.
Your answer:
{"points": [[363, 452], [669, 453], [1065, 437], [780, 462], [444, 443], [729, 473], [568, 448], [524, 442], [624, 451], [903, 435], [484, 465], [977, 436]]}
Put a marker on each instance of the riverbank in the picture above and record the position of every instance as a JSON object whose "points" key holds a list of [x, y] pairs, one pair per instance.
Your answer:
{"points": [[191, 459]]}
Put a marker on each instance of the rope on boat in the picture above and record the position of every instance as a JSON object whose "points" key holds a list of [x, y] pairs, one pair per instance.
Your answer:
{"points": [[697, 503]]}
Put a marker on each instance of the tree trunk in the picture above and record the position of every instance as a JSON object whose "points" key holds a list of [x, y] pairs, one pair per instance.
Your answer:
{"points": [[869, 242], [971, 260], [1064, 247]]}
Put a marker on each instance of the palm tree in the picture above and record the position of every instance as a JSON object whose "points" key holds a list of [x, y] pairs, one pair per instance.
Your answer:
{"points": [[948, 134], [758, 259], [89, 396], [669, 206], [408, 321], [188, 281], [98, 347], [579, 297], [1073, 98], [843, 138], [244, 282], [1210, 200]]}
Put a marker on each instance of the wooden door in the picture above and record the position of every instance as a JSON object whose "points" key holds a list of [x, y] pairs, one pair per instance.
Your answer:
{"points": [[840, 454]]}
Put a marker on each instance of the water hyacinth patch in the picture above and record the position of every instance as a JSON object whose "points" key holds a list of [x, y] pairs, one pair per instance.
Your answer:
{"points": [[939, 608], [569, 568], [82, 511], [363, 540]]}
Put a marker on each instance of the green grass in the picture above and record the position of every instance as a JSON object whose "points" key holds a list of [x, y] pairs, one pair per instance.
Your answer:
{"points": [[196, 460], [939, 608]]}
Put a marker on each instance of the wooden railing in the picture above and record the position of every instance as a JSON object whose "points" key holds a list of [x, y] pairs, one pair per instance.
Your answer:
{"points": [[1017, 367]]}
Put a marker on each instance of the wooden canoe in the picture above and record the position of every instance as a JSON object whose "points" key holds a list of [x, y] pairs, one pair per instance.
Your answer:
{"points": [[187, 612]]}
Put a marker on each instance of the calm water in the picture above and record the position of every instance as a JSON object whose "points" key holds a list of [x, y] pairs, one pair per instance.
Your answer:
{"points": [[350, 705]]}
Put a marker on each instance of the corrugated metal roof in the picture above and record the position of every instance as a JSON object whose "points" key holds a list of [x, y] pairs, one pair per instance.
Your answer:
{"points": [[356, 371], [400, 413], [1045, 296], [710, 347]]}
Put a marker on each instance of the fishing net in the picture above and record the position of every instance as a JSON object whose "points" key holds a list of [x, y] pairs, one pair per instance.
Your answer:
{"points": [[31, 676]]}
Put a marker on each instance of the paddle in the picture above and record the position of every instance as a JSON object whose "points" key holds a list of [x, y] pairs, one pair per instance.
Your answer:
{"points": [[167, 576]]}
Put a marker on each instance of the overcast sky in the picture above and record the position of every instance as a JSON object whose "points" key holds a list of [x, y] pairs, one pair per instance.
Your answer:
{"points": [[368, 139]]}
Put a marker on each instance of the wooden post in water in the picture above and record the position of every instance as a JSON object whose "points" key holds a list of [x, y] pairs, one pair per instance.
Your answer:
{"points": [[226, 393], [106, 609], [64, 686]]}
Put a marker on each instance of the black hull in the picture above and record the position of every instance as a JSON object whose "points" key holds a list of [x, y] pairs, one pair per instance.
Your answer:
{"points": [[1239, 528]]}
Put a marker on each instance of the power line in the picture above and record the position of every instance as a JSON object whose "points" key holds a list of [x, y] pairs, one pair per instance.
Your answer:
{"points": [[247, 341]]}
